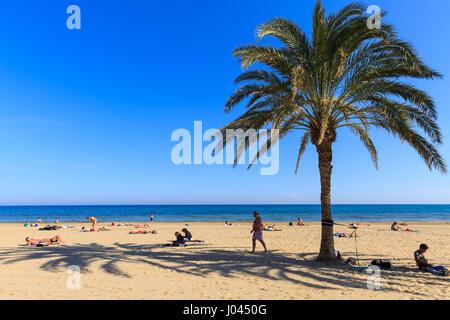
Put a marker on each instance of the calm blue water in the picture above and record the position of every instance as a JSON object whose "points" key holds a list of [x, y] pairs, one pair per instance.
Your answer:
{"points": [[223, 212]]}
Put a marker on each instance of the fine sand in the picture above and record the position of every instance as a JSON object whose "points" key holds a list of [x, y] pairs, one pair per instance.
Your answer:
{"points": [[117, 265]]}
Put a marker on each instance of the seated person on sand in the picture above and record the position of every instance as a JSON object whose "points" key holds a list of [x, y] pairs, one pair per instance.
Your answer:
{"points": [[188, 236], [346, 235], [48, 241], [227, 224], [339, 258], [300, 222], [180, 240], [396, 227], [423, 264]]}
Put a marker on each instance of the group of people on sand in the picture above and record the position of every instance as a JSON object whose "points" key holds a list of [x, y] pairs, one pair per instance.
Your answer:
{"points": [[299, 223], [182, 239], [39, 221], [421, 261], [257, 235]]}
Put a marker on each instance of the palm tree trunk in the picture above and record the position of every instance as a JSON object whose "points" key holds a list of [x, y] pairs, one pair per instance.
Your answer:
{"points": [[325, 156]]}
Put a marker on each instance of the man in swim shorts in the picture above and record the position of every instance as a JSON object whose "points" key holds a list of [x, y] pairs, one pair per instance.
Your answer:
{"points": [[257, 231]]}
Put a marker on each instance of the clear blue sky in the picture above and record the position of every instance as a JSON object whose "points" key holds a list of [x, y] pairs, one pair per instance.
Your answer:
{"points": [[86, 115]]}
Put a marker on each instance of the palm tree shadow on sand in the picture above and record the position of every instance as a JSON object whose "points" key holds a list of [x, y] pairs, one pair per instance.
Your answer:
{"points": [[201, 260]]}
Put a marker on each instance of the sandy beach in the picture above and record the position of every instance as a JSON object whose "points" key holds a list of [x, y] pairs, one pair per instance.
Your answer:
{"points": [[118, 265]]}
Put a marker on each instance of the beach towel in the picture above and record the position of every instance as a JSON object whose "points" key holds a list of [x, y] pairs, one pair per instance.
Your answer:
{"points": [[346, 237]]}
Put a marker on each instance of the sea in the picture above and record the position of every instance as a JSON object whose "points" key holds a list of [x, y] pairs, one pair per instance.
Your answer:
{"points": [[276, 212]]}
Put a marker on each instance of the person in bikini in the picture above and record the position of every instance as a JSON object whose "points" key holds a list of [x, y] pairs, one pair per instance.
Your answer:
{"points": [[48, 241], [93, 220], [346, 235]]}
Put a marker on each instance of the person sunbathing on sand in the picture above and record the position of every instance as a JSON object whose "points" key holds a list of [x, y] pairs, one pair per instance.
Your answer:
{"points": [[140, 232], [300, 222], [346, 235], [227, 223], [50, 241], [266, 227]]}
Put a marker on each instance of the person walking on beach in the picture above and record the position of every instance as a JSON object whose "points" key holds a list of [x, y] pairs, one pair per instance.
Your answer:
{"points": [[423, 264], [93, 220], [257, 231]]}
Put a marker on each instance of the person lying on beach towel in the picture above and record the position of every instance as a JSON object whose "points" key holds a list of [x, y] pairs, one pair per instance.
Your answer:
{"points": [[48, 227], [227, 223], [423, 264], [46, 241], [266, 227], [358, 224], [345, 235], [141, 232], [83, 229]]}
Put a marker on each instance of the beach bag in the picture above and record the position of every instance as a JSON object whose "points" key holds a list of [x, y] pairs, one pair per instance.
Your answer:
{"points": [[383, 264]]}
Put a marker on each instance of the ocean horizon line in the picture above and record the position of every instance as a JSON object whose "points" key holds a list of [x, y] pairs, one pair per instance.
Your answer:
{"points": [[231, 212], [222, 204]]}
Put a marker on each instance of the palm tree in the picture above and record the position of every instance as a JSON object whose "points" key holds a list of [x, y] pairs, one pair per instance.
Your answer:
{"points": [[345, 75]]}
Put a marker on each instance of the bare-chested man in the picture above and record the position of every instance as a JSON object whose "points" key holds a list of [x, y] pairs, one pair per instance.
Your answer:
{"points": [[257, 231], [55, 240]]}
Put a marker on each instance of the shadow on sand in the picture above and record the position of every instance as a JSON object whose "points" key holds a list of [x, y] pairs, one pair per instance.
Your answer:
{"points": [[201, 260]]}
